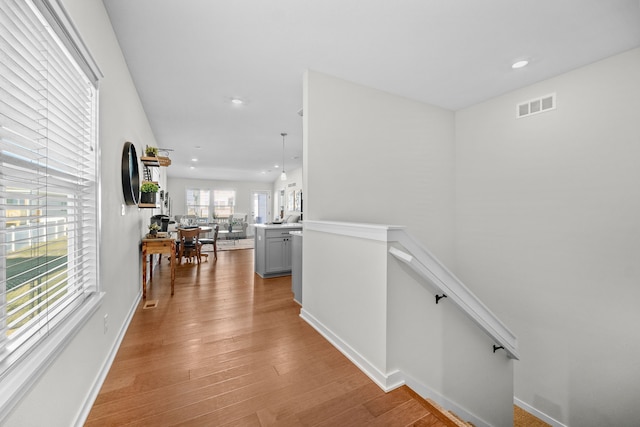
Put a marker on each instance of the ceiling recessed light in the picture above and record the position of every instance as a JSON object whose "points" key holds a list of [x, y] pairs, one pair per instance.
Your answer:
{"points": [[237, 101], [520, 64], [194, 160], [192, 167]]}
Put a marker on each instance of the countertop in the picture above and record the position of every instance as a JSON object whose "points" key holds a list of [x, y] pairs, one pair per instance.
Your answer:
{"points": [[276, 226]]}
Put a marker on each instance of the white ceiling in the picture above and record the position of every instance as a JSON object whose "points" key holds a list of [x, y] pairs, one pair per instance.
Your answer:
{"points": [[189, 58]]}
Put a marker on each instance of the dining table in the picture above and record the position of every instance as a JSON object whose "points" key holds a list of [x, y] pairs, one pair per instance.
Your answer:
{"points": [[173, 229], [161, 246]]}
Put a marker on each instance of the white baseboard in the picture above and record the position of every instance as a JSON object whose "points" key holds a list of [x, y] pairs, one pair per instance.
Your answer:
{"points": [[427, 393], [391, 380], [386, 381], [544, 417], [106, 366]]}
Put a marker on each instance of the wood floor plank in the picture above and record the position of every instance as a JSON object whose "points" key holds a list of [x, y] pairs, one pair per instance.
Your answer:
{"points": [[241, 402], [356, 416], [388, 401], [339, 404], [301, 405], [229, 348], [405, 414], [251, 420], [429, 420]]}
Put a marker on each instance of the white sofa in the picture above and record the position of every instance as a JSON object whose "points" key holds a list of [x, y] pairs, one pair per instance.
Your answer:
{"points": [[238, 223]]}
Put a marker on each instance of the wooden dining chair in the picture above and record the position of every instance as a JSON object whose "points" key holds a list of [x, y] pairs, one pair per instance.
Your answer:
{"points": [[190, 245]]}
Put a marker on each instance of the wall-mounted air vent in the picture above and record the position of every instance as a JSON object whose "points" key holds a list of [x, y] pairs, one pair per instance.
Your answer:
{"points": [[535, 106]]}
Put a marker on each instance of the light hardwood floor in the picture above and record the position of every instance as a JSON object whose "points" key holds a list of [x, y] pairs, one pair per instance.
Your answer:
{"points": [[229, 349]]}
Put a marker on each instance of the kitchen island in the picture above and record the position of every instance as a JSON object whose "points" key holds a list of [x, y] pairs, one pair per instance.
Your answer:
{"points": [[272, 249]]}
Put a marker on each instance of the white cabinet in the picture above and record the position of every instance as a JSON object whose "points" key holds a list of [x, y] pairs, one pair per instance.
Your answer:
{"points": [[273, 250], [278, 254]]}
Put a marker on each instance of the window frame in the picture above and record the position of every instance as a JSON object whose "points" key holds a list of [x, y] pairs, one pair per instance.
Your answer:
{"points": [[212, 207], [27, 367], [197, 209], [230, 207]]}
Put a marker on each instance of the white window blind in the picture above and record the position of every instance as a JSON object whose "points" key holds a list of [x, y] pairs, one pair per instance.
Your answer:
{"points": [[48, 175]]}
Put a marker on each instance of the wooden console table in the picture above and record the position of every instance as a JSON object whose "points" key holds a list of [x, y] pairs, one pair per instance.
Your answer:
{"points": [[157, 246]]}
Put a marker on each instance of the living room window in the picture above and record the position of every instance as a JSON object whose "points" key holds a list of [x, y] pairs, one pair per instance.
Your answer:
{"points": [[223, 203], [48, 189], [198, 202]]}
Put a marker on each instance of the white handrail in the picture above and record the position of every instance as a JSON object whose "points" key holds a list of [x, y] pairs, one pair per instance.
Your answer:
{"points": [[429, 267]]}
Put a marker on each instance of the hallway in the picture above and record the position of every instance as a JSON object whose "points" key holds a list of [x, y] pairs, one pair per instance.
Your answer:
{"points": [[229, 349]]}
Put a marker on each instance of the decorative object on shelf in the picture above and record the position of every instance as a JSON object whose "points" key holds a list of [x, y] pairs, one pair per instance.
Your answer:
{"points": [[283, 175], [130, 174], [148, 190], [153, 230], [151, 151], [152, 159]]}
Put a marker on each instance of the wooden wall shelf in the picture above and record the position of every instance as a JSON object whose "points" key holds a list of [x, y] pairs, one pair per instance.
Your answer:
{"points": [[147, 206], [164, 161], [155, 161], [150, 161]]}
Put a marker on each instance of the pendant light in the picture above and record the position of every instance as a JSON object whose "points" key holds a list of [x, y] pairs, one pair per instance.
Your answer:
{"points": [[283, 175]]}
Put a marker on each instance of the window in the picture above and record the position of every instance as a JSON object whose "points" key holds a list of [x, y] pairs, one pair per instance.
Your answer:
{"points": [[223, 203], [48, 185], [198, 202]]}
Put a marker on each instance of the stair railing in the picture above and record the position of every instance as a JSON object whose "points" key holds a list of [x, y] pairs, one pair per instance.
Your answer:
{"points": [[429, 267]]}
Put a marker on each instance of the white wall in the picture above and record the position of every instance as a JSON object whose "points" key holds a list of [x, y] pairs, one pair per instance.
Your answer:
{"points": [[61, 394], [548, 233], [374, 157], [350, 304]]}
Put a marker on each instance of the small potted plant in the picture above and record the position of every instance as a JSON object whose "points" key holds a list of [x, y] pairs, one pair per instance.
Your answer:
{"points": [[153, 229], [148, 190], [151, 151]]}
